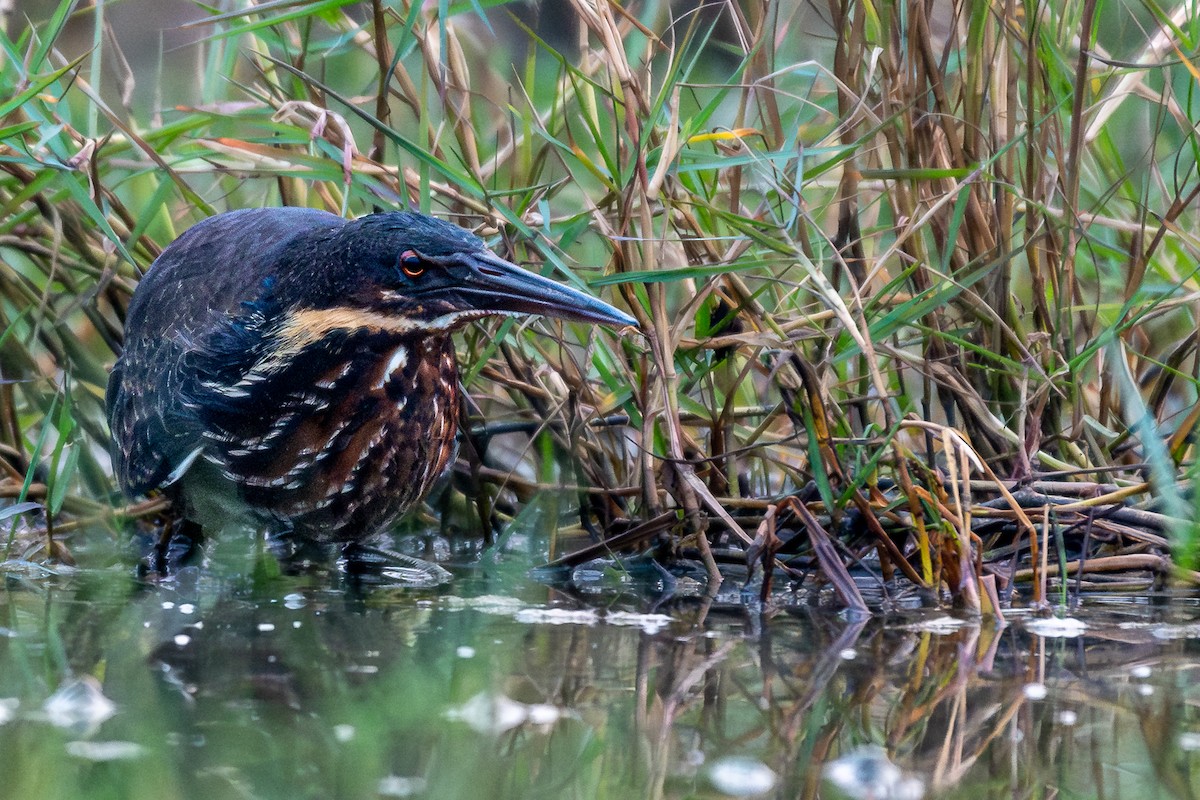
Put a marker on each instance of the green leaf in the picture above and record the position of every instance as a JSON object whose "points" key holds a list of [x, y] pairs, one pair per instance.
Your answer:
{"points": [[35, 88]]}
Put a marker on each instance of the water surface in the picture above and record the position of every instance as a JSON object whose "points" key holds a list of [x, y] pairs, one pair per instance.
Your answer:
{"points": [[496, 685]]}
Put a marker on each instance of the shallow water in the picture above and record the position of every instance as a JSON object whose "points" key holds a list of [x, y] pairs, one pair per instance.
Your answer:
{"points": [[498, 686]]}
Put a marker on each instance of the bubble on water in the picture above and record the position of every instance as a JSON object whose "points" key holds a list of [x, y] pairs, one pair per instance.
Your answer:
{"points": [[487, 604], [739, 776], [557, 616], [105, 751], [650, 623], [400, 786], [1168, 631], [1055, 628], [494, 713], [867, 773], [543, 714], [79, 705], [943, 624]]}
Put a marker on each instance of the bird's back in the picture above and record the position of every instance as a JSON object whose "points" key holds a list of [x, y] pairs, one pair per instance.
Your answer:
{"points": [[213, 266]]}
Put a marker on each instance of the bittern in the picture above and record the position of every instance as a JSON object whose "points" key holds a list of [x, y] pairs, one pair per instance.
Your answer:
{"points": [[291, 370]]}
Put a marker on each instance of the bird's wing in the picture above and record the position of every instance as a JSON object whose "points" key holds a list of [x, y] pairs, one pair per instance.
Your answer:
{"points": [[177, 336], [146, 449]]}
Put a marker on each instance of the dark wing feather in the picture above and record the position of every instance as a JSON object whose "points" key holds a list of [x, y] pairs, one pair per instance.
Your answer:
{"points": [[188, 303]]}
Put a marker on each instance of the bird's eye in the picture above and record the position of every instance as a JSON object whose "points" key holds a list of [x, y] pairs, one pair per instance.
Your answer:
{"points": [[411, 264]]}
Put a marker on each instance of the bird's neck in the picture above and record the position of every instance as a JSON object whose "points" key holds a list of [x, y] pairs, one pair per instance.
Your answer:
{"points": [[420, 368]]}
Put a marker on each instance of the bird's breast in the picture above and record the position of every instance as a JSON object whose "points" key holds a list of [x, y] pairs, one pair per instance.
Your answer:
{"points": [[343, 435]]}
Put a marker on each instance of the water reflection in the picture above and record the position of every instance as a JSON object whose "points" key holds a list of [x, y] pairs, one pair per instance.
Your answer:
{"points": [[290, 688]]}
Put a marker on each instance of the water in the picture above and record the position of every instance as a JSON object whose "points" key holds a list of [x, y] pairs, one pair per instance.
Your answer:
{"points": [[497, 686]]}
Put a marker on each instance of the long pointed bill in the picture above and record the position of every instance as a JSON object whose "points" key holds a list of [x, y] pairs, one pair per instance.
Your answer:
{"points": [[491, 284]]}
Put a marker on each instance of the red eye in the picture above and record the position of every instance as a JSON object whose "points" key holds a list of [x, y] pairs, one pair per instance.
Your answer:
{"points": [[411, 264]]}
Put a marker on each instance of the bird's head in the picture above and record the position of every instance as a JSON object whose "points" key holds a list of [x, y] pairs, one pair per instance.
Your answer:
{"points": [[439, 277]]}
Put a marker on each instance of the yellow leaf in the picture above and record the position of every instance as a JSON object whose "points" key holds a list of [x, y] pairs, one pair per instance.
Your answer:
{"points": [[724, 136]]}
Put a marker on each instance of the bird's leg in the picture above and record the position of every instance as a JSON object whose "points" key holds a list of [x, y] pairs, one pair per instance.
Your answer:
{"points": [[158, 556], [176, 542], [297, 554]]}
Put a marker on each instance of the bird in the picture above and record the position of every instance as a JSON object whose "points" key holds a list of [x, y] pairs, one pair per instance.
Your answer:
{"points": [[292, 371]]}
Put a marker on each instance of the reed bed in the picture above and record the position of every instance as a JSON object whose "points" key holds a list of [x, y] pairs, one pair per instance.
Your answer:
{"points": [[916, 282]]}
